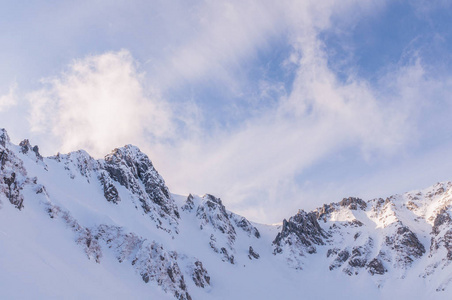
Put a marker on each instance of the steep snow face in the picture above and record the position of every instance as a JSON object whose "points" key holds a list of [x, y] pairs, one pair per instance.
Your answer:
{"points": [[72, 226]]}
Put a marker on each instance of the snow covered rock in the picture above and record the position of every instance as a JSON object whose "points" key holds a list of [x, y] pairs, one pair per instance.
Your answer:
{"points": [[302, 232], [214, 218], [13, 174], [134, 170], [245, 225], [219, 225]]}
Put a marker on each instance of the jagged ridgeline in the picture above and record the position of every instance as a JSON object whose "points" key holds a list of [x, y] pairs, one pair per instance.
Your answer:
{"points": [[118, 211]]}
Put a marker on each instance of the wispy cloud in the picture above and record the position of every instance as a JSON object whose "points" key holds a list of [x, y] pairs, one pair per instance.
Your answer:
{"points": [[10, 99], [103, 101]]}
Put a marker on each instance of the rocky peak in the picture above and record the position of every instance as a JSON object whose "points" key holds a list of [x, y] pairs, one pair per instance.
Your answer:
{"points": [[210, 198], [189, 204], [134, 170], [353, 203], [128, 161], [26, 147], [212, 211], [302, 230]]}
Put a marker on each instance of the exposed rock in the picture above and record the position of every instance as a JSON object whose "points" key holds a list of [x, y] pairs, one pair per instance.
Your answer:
{"points": [[442, 234], [213, 216], [375, 266], [13, 176], [110, 191], [151, 261], [26, 147], [13, 191], [156, 264], [3, 157], [227, 257], [133, 169], [406, 246], [245, 225], [355, 223], [357, 262], [341, 257], [358, 230], [199, 275], [442, 218], [357, 258], [353, 203], [189, 204], [128, 164], [303, 231], [79, 163], [252, 254], [332, 251], [4, 137]]}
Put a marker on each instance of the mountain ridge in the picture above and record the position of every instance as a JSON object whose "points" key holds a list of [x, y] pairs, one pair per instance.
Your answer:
{"points": [[119, 213]]}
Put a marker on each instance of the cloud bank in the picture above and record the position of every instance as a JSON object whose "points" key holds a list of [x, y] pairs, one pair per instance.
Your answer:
{"points": [[257, 163]]}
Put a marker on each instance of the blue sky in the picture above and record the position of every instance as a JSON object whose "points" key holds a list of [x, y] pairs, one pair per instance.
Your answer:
{"points": [[271, 105]]}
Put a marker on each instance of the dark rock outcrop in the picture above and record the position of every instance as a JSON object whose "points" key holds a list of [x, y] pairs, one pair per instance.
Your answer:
{"points": [[406, 246], [442, 233], [245, 225], [189, 204], [214, 218], [25, 147], [132, 169], [13, 177], [353, 203], [4, 137], [199, 275], [252, 254], [110, 191], [13, 191], [303, 230], [375, 266]]}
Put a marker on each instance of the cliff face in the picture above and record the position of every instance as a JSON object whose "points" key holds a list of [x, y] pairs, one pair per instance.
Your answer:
{"points": [[114, 228]]}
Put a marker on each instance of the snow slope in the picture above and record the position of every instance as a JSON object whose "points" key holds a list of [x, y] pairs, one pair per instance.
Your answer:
{"points": [[74, 227]]}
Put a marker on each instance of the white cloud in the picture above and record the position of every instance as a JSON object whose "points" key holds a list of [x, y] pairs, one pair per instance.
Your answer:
{"points": [[104, 101], [223, 35], [257, 162], [10, 99], [97, 104]]}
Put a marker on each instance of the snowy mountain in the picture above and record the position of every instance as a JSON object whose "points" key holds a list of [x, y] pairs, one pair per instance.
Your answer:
{"points": [[75, 227]]}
